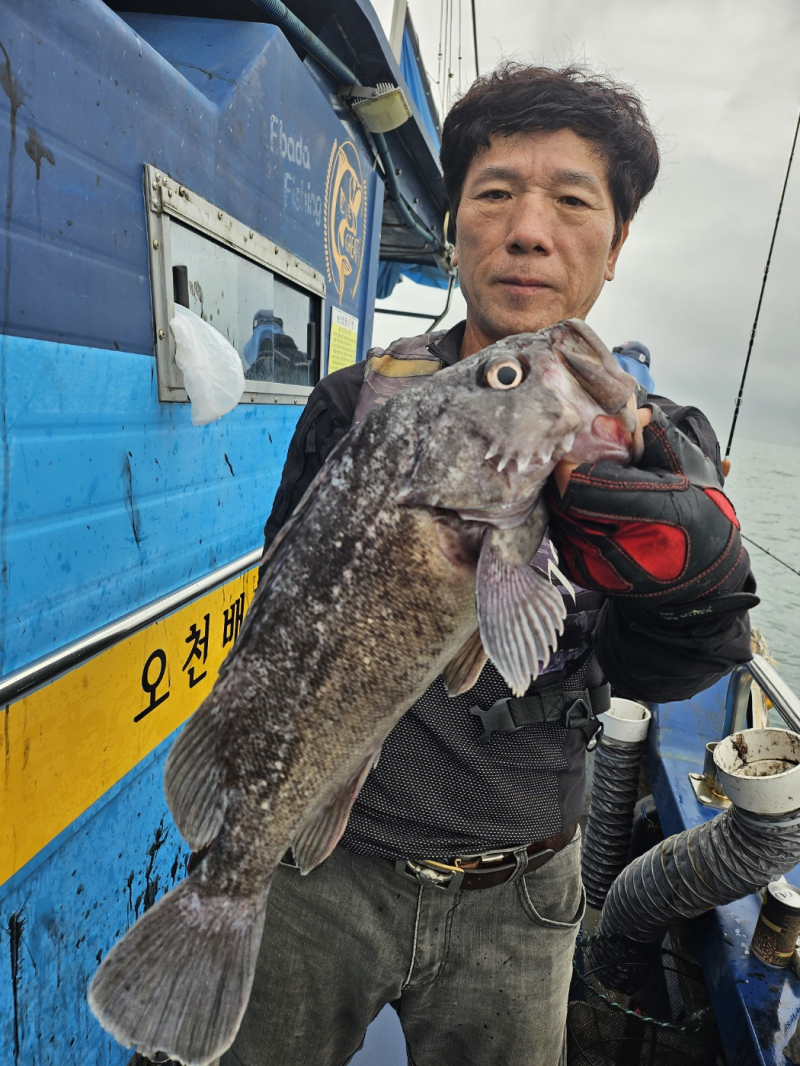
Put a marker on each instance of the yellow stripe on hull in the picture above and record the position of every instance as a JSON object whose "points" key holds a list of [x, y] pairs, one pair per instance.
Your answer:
{"points": [[66, 744]]}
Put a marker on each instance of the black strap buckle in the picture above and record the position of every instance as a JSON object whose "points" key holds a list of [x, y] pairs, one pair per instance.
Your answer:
{"points": [[495, 719], [579, 715]]}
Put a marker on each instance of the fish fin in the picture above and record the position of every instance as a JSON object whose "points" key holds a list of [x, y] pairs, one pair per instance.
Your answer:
{"points": [[179, 980], [463, 671], [193, 777], [520, 615], [321, 833]]}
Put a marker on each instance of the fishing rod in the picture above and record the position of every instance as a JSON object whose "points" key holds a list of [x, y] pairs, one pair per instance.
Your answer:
{"points": [[761, 294], [769, 553], [475, 40]]}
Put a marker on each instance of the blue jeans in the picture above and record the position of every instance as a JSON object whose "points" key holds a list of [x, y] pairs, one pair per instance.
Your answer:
{"points": [[477, 977]]}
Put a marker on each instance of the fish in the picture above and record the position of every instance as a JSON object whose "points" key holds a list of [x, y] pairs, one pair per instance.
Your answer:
{"points": [[408, 557]]}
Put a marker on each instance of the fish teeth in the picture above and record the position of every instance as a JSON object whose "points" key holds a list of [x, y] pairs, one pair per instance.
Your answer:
{"points": [[524, 464], [627, 419], [506, 459], [491, 453]]}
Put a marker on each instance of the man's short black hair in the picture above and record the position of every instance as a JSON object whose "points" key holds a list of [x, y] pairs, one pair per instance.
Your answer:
{"points": [[518, 99]]}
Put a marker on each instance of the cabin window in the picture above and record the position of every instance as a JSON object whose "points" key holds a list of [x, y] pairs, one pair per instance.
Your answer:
{"points": [[266, 302]]}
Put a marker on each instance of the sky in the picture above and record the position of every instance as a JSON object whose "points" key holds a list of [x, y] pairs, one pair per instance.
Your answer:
{"points": [[721, 83]]}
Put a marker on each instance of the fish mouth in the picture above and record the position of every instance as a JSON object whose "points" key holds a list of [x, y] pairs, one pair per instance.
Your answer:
{"points": [[530, 466], [591, 363], [513, 466]]}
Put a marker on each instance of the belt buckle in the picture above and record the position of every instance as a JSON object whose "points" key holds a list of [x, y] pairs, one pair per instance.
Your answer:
{"points": [[589, 724], [444, 880], [495, 719], [486, 856]]}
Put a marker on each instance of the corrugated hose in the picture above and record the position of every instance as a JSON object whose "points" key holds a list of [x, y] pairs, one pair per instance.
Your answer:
{"points": [[607, 839], [715, 863]]}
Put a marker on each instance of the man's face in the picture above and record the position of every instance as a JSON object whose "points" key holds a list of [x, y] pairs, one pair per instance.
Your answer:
{"points": [[535, 228]]}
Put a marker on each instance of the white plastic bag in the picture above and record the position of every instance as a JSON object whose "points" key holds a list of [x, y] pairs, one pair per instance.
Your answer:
{"points": [[212, 369]]}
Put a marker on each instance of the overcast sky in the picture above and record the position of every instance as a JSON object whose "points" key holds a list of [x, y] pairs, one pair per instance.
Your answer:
{"points": [[721, 82]]}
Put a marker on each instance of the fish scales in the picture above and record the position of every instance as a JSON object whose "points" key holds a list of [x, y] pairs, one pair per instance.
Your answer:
{"points": [[407, 558], [386, 614]]}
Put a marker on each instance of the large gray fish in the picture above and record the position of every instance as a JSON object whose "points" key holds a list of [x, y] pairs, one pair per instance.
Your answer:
{"points": [[407, 558]]}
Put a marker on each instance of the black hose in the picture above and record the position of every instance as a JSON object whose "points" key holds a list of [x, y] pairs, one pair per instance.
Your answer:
{"points": [[291, 24], [607, 840], [715, 863], [397, 197]]}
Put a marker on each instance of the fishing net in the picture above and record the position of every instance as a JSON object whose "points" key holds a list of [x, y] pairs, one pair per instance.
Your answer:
{"points": [[638, 1005]]}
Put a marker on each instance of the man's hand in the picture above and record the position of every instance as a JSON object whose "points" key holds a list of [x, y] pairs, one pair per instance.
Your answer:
{"points": [[661, 534], [561, 474]]}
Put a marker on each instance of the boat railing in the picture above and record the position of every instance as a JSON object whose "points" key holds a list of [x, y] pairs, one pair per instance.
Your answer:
{"points": [[784, 701]]}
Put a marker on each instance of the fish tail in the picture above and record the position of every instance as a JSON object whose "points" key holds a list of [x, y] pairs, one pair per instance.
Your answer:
{"points": [[179, 980]]}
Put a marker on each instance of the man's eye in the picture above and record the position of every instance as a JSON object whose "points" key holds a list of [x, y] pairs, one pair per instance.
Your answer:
{"points": [[572, 201], [494, 194]]}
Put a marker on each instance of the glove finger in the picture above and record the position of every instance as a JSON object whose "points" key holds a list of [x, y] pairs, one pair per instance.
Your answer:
{"points": [[667, 448], [607, 488]]}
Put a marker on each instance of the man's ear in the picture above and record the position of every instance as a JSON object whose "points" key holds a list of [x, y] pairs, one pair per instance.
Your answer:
{"points": [[613, 255], [451, 233]]}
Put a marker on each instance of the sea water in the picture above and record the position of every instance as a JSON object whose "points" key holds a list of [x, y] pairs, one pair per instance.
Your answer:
{"points": [[764, 487]]}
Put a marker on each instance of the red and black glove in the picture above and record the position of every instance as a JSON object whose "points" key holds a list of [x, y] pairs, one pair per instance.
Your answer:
{"points": [[661, 535]]}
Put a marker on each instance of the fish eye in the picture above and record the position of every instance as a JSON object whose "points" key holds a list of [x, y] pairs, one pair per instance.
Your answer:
{"points": [[504, 374]]}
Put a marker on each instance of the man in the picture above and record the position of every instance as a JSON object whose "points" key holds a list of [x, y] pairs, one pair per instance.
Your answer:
{"points": [[634, 358], [455, 894]]}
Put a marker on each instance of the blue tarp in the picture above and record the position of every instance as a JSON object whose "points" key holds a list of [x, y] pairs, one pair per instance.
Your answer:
{"points": [[411, 72], [389, 273]]}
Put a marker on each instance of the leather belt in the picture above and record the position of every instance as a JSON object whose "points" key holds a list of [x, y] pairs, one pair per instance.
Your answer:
{"points": [[483, 871]]}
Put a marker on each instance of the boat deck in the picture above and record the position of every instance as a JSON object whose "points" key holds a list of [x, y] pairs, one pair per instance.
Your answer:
{"points": [[757, 1007]]}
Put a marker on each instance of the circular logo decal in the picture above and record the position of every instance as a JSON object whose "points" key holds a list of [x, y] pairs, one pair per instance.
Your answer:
{"points": [[345, 218]]}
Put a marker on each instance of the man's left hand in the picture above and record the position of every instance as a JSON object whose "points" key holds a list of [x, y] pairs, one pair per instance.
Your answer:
{"points": [[660, 534]]}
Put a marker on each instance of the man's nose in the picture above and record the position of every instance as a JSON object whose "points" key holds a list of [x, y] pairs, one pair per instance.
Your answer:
{"points": [[531, 226]]}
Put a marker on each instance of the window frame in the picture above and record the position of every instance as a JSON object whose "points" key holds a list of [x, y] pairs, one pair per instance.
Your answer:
{"points": [[167, 199]]}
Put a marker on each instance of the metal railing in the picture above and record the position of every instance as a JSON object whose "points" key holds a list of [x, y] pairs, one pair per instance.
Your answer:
{"points": [[783, 699]]}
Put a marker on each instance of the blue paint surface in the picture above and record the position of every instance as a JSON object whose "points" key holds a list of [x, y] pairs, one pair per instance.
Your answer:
{"points": [[66, 913], [116, 499], [211, 102], [111, 499], [757, 1007], [75, 900]]}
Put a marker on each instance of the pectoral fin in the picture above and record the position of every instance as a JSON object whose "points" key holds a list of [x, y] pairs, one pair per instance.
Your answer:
{"points": [[463, 671], [520, 614], [320, 835]]}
